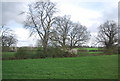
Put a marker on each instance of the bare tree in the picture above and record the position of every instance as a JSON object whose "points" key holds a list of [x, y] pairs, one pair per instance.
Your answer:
{"points": [[8, 37], [8, 41], [61, 30], [108, 34], [78, 35], [66, 33], [40, 19], [5, 31]]}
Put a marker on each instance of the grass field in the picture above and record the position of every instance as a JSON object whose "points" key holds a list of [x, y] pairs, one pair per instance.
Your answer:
{"points": [[89, 51], [89, 48], [89, 67]]}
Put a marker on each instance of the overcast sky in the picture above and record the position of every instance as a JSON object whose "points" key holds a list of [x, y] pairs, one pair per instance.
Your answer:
{"points": [[89, 13]]}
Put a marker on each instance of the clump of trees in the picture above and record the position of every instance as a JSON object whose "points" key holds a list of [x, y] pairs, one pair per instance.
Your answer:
{"points": [[57, 33], [54, 30]]}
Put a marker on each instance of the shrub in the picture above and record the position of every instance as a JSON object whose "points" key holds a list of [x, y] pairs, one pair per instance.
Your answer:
{"points": [[39, 53], [112, 50], [58, 52], [24, 53], [53, 52], [5, 49]]}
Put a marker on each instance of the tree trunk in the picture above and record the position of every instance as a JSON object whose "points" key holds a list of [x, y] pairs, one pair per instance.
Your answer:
{"points": [[45, 46]]}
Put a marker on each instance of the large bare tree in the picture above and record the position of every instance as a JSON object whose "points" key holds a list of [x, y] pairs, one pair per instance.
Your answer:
{"points": [[40, 18], [78, 35], [66, 33], [61, 30], [108, 34]]}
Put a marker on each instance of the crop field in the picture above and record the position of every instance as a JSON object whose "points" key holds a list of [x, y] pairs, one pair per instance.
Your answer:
{"points": [[89, 67]]}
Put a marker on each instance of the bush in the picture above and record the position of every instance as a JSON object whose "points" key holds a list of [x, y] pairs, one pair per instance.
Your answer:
{"points": [[68, 54], [24, 53], [5, 49], [53, 52], [112, 50], [39, 54]]}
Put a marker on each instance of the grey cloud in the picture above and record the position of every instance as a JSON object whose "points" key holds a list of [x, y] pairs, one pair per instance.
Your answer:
{"points": [[11, 11], [110, 14]]}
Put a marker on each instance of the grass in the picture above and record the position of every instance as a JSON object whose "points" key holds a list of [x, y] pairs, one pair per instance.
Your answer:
{"points": [[89, 67], [88, 51], [88, 48], [95, 52]]}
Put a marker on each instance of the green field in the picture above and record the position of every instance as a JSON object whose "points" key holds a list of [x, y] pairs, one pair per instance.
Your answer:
{"points": [[89, 48], [89, 51], [89, 67]]}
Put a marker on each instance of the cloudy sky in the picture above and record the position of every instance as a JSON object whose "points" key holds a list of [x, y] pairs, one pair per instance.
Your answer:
{"points": [[90, 13]]}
